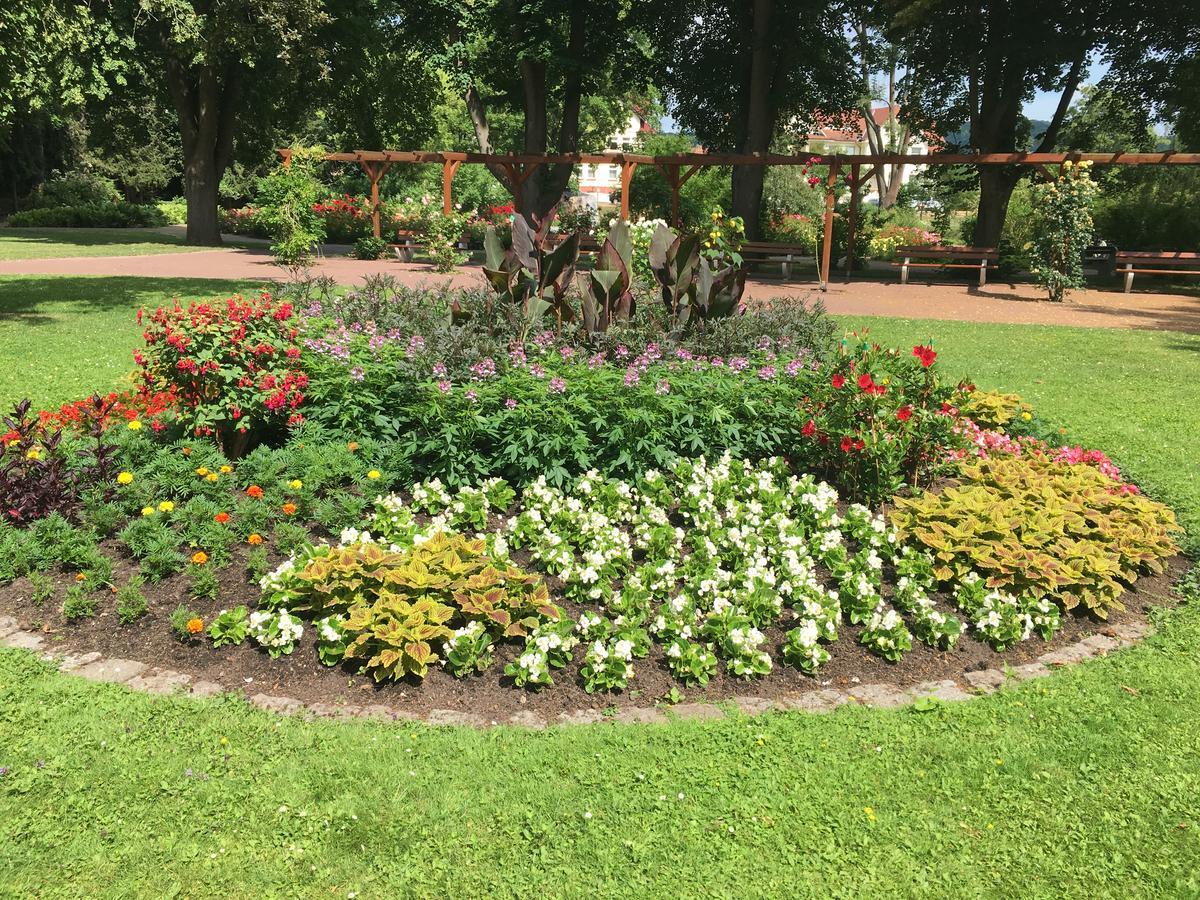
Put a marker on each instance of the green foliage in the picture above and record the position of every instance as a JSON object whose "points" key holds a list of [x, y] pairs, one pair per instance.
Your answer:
{"points": [[231, 626], [186, 623], [257, 564], [442, 235], [1064, 229], [89, 215], [79, 188], [369, 248], [203, 583], [78, 604], [996, 409], [43, 588], [1042, 529], [398, 605], [285, 207], [131, 601]]}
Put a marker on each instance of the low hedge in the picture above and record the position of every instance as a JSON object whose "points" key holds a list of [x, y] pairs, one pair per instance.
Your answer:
{"points": [[90, 215]]}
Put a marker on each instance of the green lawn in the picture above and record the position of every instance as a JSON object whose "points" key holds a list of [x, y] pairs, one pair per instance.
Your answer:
{"points": [[62, 338], [46, 243], [1081, 784]]}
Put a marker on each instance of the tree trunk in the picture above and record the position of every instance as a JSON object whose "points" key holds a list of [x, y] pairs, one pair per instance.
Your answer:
{"points": [[200, 183], [996, 184], [746, 182]]}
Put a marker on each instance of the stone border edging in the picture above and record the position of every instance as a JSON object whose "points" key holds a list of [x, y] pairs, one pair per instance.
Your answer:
{"points": [[140, 677]]}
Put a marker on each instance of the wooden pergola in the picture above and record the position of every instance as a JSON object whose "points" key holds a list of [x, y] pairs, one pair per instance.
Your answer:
{"points": [[677, 169]]}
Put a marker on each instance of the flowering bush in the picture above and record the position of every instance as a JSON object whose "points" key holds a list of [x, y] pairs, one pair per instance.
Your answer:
{"points": [[233, 368], [347, 218], [884, 242], [1063, 228]]}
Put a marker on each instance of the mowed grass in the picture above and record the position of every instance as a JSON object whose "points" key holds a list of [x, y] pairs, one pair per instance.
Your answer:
{"points": [[52, 243], [1082, 784], [62, 338]]}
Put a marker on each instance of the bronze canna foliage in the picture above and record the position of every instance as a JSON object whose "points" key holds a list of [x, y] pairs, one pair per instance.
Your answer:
{"points": [[530, 278], [400, 607], [692, 290], [1031, 526], [608, 288]]}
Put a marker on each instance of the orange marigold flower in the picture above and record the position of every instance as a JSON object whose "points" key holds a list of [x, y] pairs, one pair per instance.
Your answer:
{"points": [[79, 576], [352, 446], [254, 491], [289, 508], [221, 518], [254, 540], [195, 626], [199, 558], [186, 451]]}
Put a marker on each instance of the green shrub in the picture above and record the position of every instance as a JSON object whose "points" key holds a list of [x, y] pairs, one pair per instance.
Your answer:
{"points": [[203, 583], [43, 588], [369, 248], [76, 189], [78, 604], [90, 215], [286, 208], [1035, 527], [186, 623], [131, 602], [174, 212]]}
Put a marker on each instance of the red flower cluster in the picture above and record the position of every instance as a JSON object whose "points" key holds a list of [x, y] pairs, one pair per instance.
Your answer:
{"points": [[867, 383], [127, 406], [229, 366], [924, 354]]}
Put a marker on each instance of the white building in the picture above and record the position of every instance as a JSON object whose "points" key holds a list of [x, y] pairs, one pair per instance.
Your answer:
{"points": [[597, 182], [851, 139]]}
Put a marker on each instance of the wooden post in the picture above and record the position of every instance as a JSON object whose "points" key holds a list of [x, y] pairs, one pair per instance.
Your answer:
{"points": [[852, 220], [827, 248], [673, 180], [449, 168], [627, 169]]}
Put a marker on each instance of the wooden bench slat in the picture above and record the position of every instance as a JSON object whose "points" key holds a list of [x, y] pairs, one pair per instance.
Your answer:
{"points": [[1163, 271]]}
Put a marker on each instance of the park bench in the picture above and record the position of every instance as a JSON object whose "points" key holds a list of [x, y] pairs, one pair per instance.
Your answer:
{"points": [[405, 245], [946, 258], [1156, 263], [770, 252]]}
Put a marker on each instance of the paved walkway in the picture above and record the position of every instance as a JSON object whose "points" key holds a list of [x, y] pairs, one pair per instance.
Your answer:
{"points": [[998, 302]]}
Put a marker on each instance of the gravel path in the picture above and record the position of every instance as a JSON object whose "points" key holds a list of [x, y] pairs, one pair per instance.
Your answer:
{"points": [[999, 302]]}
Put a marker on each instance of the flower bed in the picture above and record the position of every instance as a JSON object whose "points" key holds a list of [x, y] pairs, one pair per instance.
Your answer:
{"points": [[438, 499]]}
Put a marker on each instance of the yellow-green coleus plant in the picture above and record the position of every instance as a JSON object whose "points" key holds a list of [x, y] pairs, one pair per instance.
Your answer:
{"points": [[399, 605], [1032, 526], [993, 409]]}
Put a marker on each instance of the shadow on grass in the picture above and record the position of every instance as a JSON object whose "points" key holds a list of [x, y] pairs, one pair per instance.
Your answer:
{"points": [[29, 300]]}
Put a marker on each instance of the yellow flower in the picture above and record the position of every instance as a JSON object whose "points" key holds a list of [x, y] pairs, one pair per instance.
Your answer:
{"points": [[147, 510], [295, 484], [1026, 416], [199, 558], [373, 474], [134, 425], [870, 813], [166, 506], [225, 470], [212, 477], [35, 453], [125, 478], [202, 471]]}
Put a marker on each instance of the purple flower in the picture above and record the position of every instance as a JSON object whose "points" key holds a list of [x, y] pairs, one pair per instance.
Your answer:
{"points": [[517, 356], [764, 343], [631, 376], [484, 369], [663, 387], [537, 371], [793, 368], [566, 352], [622, 351], [472, 396], [439, 369], [357, 373], [739, 363], [557, 385], [718, 362], [596, 360], [444, 386], [510, 403], [767, 373]]}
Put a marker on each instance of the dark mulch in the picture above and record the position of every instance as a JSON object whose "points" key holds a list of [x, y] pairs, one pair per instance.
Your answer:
{"points": [[491, 695]]}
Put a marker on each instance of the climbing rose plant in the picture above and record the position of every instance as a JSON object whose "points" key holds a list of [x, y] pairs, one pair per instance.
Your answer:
{"points": [[234, 367], [1064, 229]]}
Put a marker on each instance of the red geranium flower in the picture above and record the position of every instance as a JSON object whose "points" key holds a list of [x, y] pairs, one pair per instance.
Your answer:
{"points": [[924, 354], [809, 429], [847, 445], [904, 413], [837, 381]]}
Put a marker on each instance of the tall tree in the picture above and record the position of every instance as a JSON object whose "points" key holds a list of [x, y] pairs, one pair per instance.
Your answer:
{"points": [[879, 62], [227, 64], [979, 64], [550, 59], [737, 72]]}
